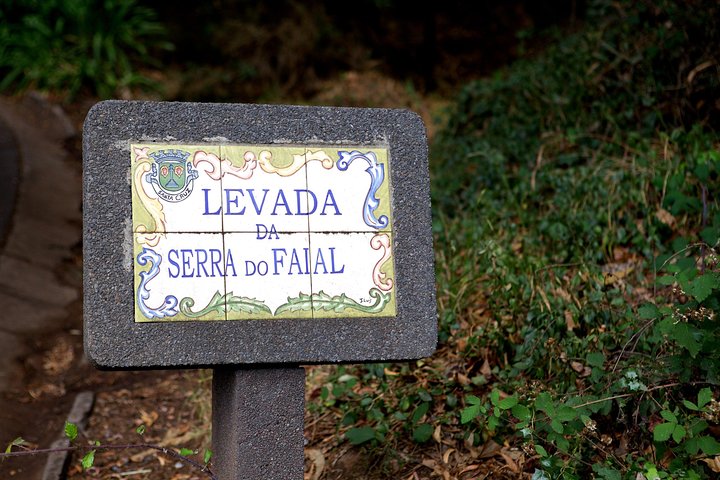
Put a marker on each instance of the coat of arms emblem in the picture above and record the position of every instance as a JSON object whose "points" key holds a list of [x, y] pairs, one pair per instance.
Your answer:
{"points": [[172, 175]]}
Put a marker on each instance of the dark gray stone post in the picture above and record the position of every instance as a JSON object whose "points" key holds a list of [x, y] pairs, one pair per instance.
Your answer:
{"points": [[258, 423]]}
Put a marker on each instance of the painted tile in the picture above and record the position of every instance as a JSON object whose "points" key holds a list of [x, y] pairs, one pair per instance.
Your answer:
{"points": [[353, 275], [268, 277], [174, 187], [264, 189], [353, 195], [179, 278]]}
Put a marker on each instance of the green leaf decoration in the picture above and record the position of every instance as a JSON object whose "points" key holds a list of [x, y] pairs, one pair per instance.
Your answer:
{"points": [[71, 431], [422, 433], [662, 431], [360, 435], [338, 303], [220, 303], [88, 460]]}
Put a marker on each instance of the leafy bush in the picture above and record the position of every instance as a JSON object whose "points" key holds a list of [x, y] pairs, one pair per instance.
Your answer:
{"points": [[66, 45], [577, 221]]}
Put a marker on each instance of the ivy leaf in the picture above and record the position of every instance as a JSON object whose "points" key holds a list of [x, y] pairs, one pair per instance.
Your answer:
{"points": [[359, 435], [71, 431], [662, 431], [422, 433], [88, 460]]}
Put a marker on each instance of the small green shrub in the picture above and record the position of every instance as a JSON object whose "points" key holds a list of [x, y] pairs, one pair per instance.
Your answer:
{"points": [[67, 45]]}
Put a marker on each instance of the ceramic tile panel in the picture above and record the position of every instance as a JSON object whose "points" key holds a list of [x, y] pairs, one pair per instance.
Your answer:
{"points": [[172, 186], [237, 232], [268, 276], [353, 274], [264, 187], [181, 276], [352, 185]]}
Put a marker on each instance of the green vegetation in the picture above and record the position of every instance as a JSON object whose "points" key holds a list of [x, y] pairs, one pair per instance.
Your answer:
{"points": [[576, 227], [68, 45]]}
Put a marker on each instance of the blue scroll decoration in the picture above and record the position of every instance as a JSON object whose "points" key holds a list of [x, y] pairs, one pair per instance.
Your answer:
{"points": [[170, 307], [377, 175]]}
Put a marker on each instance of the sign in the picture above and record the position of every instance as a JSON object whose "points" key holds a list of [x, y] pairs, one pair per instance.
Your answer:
{"points": [[220, 234], [238, 232]]}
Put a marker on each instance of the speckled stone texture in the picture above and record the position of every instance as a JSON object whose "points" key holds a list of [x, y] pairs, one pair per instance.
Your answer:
{"points": [[258, 424], [114, 341]]}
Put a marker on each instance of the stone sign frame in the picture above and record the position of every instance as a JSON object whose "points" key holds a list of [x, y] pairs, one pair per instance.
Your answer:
{"points": [[113, 340]]}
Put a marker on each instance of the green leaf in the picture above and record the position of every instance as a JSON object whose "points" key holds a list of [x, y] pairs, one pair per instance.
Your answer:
{"points": [[207, 456], [595, 359], [704, 397], [701, 287], [508, 402], [541, 451], [669, 416], [684, 335], [473, 400], [666, 280], [467, 414], [690, 406], [18, 442], [88, 460], [140, 430], [648, 311], [566, 414], [71, 431], [544, 402], [709, 445], [359, 435], [556, 425], [495, 397], [186, 452], [521, 412], [678, 433], [663, 431], [422, 433], [420, 412]]}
